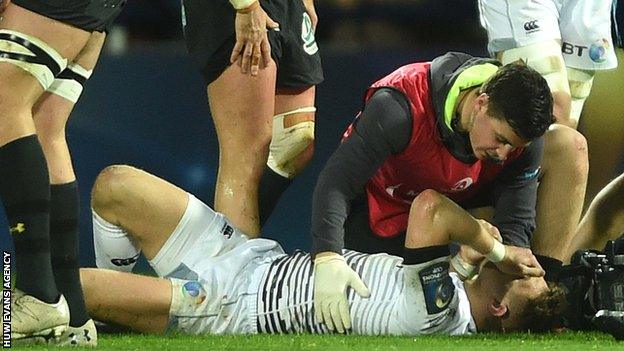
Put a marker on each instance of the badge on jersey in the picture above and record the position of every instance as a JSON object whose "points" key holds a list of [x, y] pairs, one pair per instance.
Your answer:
{"points": [[307, 35], [438, 287]]}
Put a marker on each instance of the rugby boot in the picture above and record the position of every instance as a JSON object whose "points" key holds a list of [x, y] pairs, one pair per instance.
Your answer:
{"points": [[84, 336], [34, 321]]}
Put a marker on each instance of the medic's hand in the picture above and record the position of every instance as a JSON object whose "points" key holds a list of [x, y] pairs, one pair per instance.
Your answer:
{"points": [[252, 50], [520, 262], [332, 277]]}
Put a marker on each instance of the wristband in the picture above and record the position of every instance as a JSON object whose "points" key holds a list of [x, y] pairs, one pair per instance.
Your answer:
{"points": [[497, 253], [465, 270], [242, 4]]}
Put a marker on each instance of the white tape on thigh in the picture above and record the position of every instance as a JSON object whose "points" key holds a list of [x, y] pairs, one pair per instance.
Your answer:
{"points": [[70, 83], [31, 55], [544, 57], [580, 86], [288, 143]]}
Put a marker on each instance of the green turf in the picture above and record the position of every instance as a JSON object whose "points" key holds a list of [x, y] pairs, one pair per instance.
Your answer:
{"points": [[564, 342]]}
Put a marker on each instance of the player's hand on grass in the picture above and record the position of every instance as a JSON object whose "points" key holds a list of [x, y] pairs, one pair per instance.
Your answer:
{"points": [[332, 277], [520, 262], [252, 50]]}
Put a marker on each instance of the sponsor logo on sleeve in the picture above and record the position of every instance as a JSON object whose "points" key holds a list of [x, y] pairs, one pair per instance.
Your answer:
{"points": [[598, 50], [438, 287]]}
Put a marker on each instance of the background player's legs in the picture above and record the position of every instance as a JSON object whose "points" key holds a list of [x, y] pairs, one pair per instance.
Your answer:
{"points": [[603, 126], [545, 57], [146, 207], [581, 82], [242, 108], [561, 191], [24, 183], [139, 302], [604, 219], [50, 114], [294, 147]]}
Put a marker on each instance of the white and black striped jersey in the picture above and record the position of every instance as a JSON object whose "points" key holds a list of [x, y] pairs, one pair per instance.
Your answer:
{"points": [[405, 299]]}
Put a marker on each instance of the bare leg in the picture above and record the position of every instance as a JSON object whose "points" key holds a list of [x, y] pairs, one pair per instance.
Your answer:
{"points": [[604, 219], [275, 181], [139, 302], [24, 181], [18, 89], [51, 113], [242, 108], [603, 126], [561, 191], [147, 207]]}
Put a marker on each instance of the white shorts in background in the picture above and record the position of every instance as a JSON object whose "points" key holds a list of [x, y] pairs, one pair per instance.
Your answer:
{"points": [[215, 271], [583, 26]]}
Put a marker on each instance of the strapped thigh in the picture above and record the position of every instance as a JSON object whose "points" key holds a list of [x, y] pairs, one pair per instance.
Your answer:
{"points": [[32, 55]]}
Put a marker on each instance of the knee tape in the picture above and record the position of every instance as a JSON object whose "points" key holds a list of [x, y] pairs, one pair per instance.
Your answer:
{"points": [[114, 248], [544, 57], [288, 143], [580, 86], [70, 83], [32, 55]]}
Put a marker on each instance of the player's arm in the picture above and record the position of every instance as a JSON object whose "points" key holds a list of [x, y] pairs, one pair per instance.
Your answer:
{"points": [[435, 220], [382, 129], [515, 196], [252, 50]]}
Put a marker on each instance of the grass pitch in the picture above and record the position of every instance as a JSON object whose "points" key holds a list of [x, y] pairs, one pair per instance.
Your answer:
{"points": [[514, 342]]}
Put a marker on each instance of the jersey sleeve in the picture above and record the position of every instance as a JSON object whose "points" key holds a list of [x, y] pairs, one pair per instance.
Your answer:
{"points": [[515, 196], [383, 128], [427, 273], [430, 298]]}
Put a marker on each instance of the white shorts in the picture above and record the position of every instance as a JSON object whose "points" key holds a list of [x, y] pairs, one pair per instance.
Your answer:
{"points": [[583, 26], [215, 272]]}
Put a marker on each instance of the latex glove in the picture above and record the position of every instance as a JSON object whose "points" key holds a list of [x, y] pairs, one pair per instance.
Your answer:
{"points": [[332, 277]]}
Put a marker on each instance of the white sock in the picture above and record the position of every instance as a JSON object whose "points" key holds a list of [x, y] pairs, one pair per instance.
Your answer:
{"points": [[114, 248]]}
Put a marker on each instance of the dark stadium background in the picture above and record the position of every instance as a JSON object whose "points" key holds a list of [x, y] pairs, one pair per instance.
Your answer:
{"points": [[146, 105]]}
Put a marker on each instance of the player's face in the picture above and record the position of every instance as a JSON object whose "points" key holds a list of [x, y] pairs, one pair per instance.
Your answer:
{"points": [[513, 293], [492, 139], [520, 294]]}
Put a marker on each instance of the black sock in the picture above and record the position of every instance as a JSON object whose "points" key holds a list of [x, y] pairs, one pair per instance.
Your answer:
{"points": [[64, 242], [25, 192], [272, 185]]}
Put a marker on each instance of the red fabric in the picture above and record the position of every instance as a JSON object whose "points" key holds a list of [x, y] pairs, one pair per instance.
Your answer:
{"points": [[424, 164]]}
